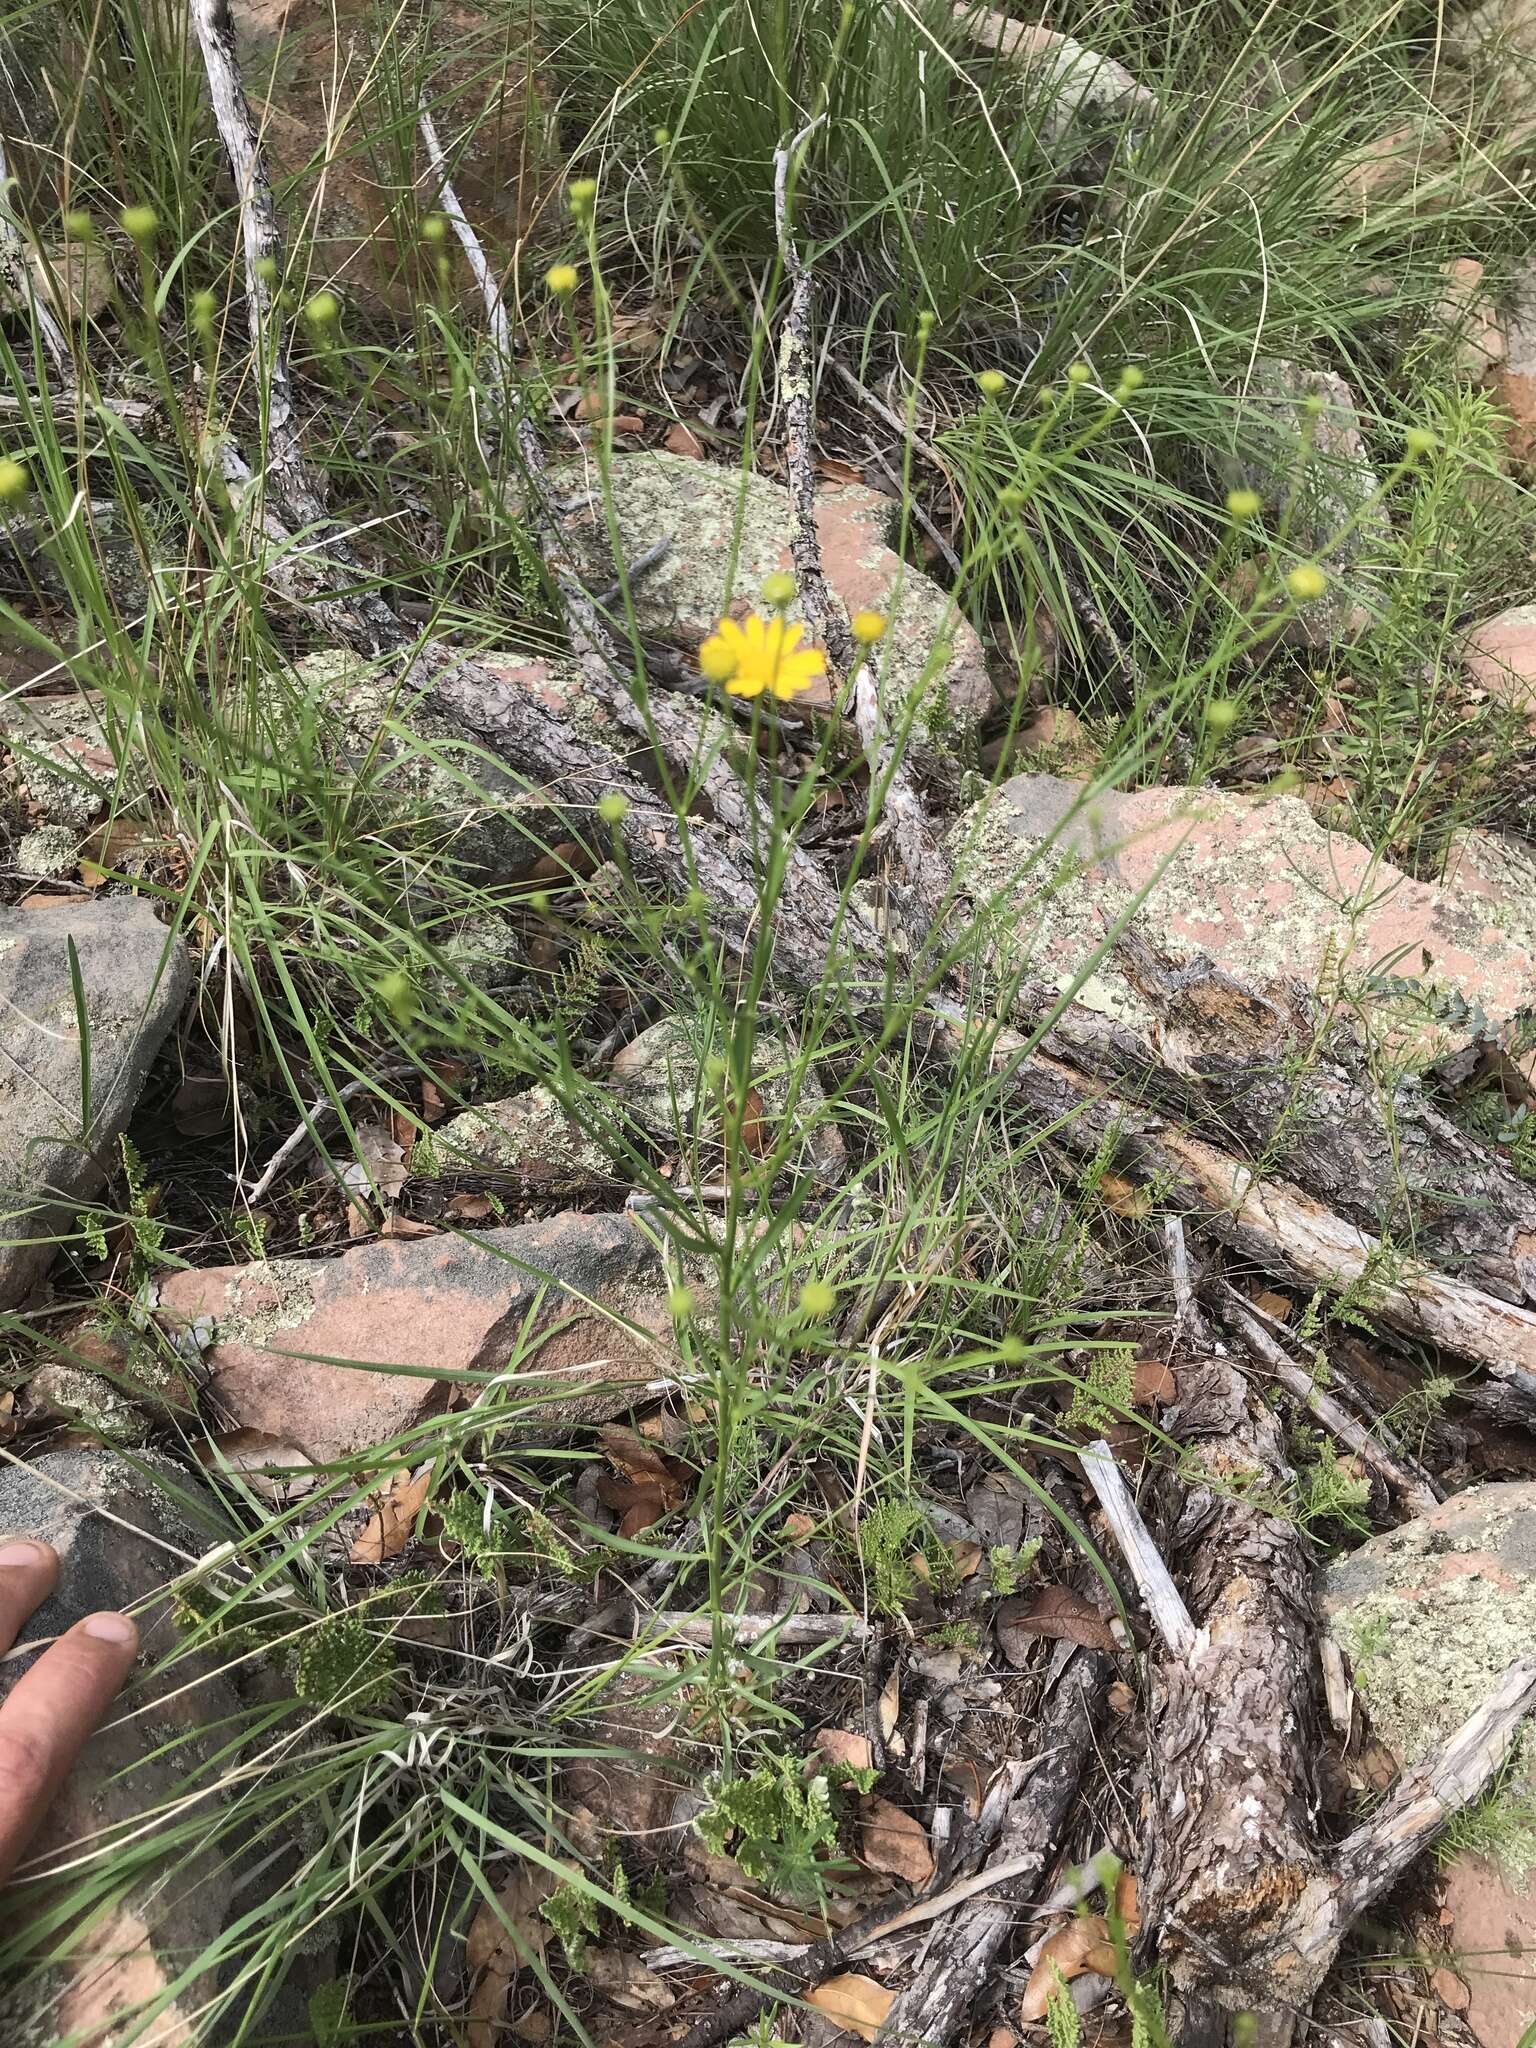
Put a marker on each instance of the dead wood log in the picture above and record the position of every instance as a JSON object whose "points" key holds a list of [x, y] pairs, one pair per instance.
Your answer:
{"points": [[1240, 1900], [1255, 1072], [1277, 1225], [950, 1975], [1416, 1493]]}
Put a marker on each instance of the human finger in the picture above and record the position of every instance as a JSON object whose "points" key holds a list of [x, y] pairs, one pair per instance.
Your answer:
{"points": [[51, 1710], [28, 1574]]}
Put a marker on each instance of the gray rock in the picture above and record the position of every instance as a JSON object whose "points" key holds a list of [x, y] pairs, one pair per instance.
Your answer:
{"points": [[1431, 1616], [1319, 466], [727, 535], [135, 978], [110, 1523], [55, 753], [661, 1078]]}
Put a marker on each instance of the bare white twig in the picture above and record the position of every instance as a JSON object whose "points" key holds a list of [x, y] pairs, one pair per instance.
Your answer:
{"points": [[1153, 1580], [792, 1630], [1415, 1494], [261, 239], [498, 326]]}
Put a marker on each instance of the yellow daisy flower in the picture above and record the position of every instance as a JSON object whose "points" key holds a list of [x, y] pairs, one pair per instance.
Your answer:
{"points": [[761, 654]]}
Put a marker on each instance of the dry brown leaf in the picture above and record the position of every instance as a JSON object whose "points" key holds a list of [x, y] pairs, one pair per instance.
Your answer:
{"points": [[967, 1557], [1124, 1197], [470, 1208], [1054, 1611], [202, 1106], [682, 440], [625, 1979], [842, 1746], [1153, 1384], [109, 847], [963, 1774], [489, 1945], [756, 1136], [389, 1527], [890, 1704], [894, 1841], [1080, 1946], [274, 1469], [1002, 2037], [798, 1528], [629, 1454], [1271, 1304], [1122, 1700], [855, 2003], [1127, 1902]]}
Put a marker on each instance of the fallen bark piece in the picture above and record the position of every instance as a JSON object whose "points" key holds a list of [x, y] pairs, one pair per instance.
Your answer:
{"points": [[421, 1306], [1247, 1907], [939, 2000], [62, 1117]]}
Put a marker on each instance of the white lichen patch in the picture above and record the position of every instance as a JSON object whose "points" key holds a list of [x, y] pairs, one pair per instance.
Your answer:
{"points": [[1433, 1614]]}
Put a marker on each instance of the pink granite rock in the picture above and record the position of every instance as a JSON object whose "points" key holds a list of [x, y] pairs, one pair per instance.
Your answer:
{"points": [[727, 534], [398, 1312], [1500, 657], [1253, 883]]}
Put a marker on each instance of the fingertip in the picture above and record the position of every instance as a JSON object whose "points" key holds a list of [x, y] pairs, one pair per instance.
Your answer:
{"points": [[29, 1554], [120, 1630]]}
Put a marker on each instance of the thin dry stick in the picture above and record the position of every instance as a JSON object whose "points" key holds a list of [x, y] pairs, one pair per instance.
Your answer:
{"points": [[920, 861], [261, 239], [823, 618], [1153, 1579], [498, 326], [1415, 1494]]}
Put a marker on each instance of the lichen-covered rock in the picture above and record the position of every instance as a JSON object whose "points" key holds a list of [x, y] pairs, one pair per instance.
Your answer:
{"points": [[577, 1303], [87, 1402], [1299, 444], [1431, 1616], [528, 1134], [434, 787], [486, 952], [122, 1530], [1253, 883], [1072, 79], [135, 976], [728, 532], [55, 755], [47, 853], [662, 1077]]}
